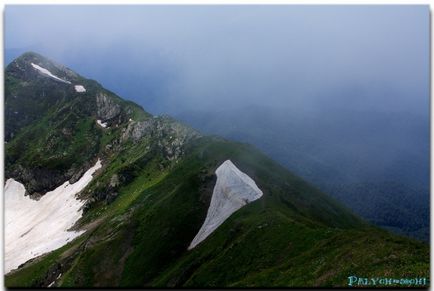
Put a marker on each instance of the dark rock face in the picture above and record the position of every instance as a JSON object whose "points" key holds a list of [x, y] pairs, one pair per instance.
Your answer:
{"points": [[39, 181]]}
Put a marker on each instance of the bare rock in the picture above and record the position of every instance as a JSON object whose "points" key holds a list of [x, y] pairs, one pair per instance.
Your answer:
{"points": [[106, 108]]}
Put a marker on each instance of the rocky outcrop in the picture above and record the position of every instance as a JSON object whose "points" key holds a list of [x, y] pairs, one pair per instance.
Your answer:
{"points": [[107, 109], [114, 181], [138, 129], [167, 134]]}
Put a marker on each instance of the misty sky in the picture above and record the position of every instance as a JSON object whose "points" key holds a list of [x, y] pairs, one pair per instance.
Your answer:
{"points": [[174, 58]]}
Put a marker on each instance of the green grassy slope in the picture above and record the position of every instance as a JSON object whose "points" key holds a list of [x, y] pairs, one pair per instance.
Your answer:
{"points": [[293, 236]]}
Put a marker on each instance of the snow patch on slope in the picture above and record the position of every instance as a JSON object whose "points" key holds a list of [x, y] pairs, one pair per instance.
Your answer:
{"points": [[102, 124], [32, 227], [233, 190], [79, 88], [48, 73]]}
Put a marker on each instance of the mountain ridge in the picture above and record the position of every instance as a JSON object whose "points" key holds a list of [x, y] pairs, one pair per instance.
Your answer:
{"points": [[148, 201]]}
